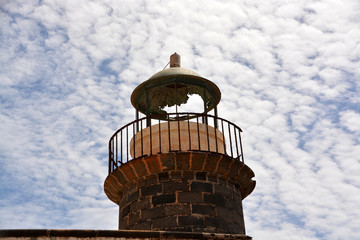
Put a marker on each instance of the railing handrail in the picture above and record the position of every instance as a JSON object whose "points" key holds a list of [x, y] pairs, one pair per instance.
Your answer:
{"points": [[231, 137], [155, 117]]}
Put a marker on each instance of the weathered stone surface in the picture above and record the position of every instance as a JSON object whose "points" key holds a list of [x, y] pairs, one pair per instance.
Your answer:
{"points": [[164, 176], [139, 166], [201, 187], [223, 165], [211, 162], [201, 176], [172, 187], [164, 223], [128, 171], [197, 160], [216, 199], [203, 209], [172, 210], [151, 190], [191, 220], [168, 161], [125, 211], [182, 160], [190, 197], [152, 213], [133, 196], [162, 199], [153, 163]]}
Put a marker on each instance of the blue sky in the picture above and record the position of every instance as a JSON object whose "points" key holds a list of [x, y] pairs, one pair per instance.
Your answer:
{"points": [[289, 76]]}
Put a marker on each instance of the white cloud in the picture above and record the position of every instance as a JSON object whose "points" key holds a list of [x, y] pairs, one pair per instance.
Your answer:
{"points": [[350, 120], [288, 72]]}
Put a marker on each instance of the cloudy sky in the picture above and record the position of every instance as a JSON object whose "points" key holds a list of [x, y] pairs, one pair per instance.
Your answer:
{"points": [[289, 74]]}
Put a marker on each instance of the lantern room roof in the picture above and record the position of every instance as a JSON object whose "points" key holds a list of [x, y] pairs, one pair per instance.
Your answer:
{"points": [[174, 71], [173, 86]]}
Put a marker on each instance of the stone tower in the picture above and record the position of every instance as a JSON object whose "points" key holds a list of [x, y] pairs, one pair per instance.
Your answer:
{"points": [[178, 171]]}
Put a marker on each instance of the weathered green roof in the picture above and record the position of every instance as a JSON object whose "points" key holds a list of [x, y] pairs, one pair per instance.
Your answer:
{"points": [[174, 71], [173, 86]]}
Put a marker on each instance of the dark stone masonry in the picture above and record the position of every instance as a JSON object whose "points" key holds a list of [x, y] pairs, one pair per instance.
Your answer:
{"points": [[197, 192], [193, 204]]}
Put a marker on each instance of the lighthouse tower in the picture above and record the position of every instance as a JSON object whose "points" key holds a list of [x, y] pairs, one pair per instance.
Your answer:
{"points": [[178, 171]]}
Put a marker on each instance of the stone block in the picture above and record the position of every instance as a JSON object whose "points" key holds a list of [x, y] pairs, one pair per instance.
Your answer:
{"points": [[177, 209], [125, 211], [144, 203], [120, 177], [231, 204], [141, 226], [223, 182], [212, 179], [123, 201], [191, 220], [134, 218], [128, 171], [172, 187], [141, 183], [215, 199], [203, 209], [139, 167], [164, 223], [211, 162], [212, 221], [162, 199], [153, 163], [188, 175], [201, 176], [164, 176], [176, 175], [152, 213], [201, 187], [197, 160], [183, 160], [190, 197], [224, 164], [167, 161], [234, 169], [134, 196], [225, 213], [151, 190], [223, 190], [152, 179]]}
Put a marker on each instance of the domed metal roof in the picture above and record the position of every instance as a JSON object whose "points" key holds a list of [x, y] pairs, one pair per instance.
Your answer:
{"points": [[173, 86], [174, 71]]}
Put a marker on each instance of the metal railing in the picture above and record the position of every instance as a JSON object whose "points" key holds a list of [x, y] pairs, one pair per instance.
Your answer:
{"points": [[181, 133]]}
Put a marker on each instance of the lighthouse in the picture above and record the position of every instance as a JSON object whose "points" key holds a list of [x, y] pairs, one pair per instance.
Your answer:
{"points": [[174, 169]]}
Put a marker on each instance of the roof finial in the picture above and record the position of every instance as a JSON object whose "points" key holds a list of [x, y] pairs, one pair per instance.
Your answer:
{"points": [[175, 60]]}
